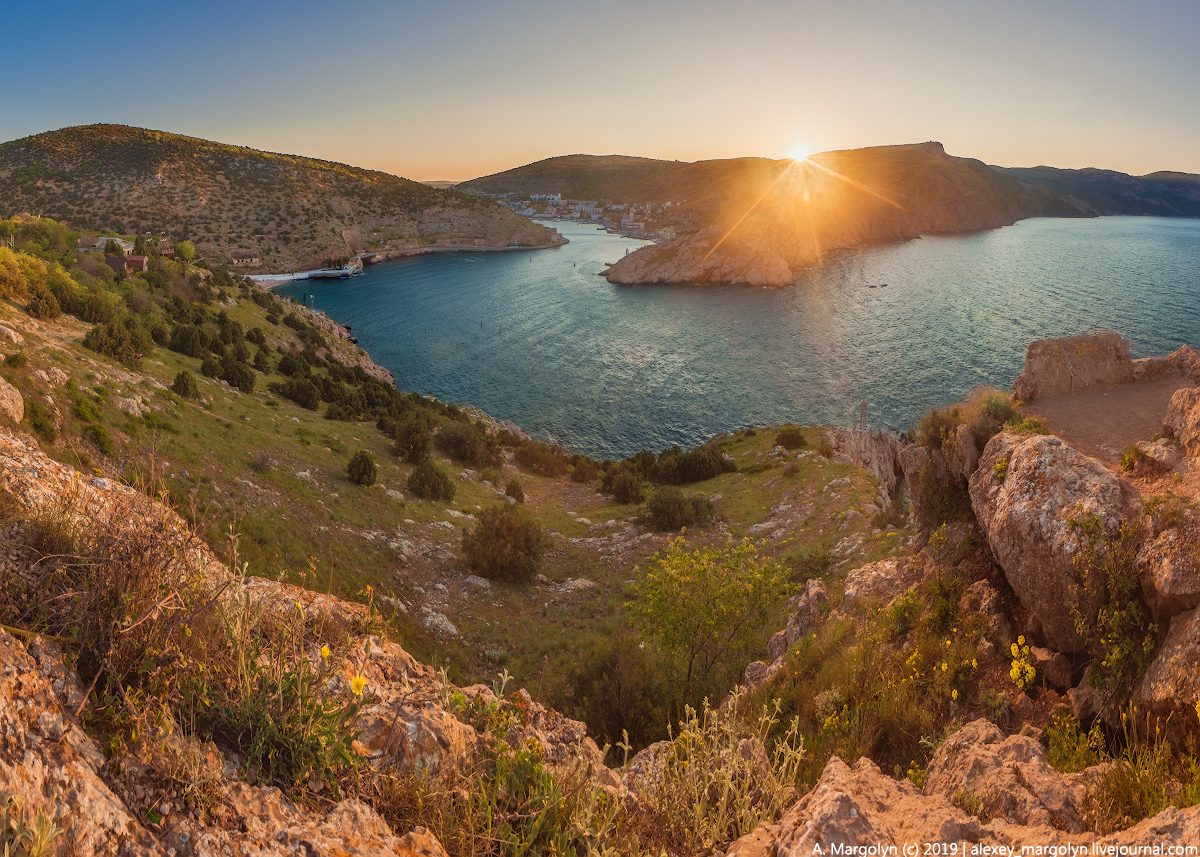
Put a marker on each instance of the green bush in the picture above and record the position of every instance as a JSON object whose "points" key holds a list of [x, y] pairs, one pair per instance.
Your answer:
{"points": [[430, 482], [16, 360], [790, 437], [513, 489], [468, 443], [188, 340], [262, 362], [361, 469], [627, 488], [44, 306], [542, 458], [40, 420], [939, 427], [506, 544], [238, 375], [413, 439], [99, 435], [185, 385], [210, 367], [585, 471], [115, 340], [301, 391], [675, 467], [669, 510], [85, 410]]}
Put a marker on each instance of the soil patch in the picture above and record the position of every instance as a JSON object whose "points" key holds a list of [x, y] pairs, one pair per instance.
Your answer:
{"points": [[1102, 423]]}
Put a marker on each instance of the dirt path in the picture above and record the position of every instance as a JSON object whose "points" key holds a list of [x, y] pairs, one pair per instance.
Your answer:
{"points": [[1102, 423]]}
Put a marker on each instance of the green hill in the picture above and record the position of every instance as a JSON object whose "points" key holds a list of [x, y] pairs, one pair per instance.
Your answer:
{"points": [[292, 211], [1103, 192]]}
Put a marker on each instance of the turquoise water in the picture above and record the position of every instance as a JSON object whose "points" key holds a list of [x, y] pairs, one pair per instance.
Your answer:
{"points": [[538, 338]]}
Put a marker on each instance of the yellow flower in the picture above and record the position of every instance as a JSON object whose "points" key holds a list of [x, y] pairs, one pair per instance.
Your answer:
{"points": [[1015, 651], [1021, 639], [357, 685], [325, 653], [954, 694], [975, 666], [943, 666]]}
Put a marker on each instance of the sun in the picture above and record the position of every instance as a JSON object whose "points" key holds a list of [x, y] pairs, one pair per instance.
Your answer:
{"points": [[799, 153]]}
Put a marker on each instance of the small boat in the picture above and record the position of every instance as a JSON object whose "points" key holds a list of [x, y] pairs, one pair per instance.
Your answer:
{"points": [[353, 269]]}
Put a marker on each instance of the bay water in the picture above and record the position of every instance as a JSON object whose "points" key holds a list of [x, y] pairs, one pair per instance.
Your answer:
{"points": [[538, 338]]}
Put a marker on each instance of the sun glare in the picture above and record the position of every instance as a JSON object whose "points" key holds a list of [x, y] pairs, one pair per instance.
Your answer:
{"points": [[799, 153]]}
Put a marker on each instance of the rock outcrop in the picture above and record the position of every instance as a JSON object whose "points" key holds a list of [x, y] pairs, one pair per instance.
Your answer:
{"points": [[1027, 516], [12, 405], [1182, 420], [878, 450], [809, 607], [1172, 681], [1072, 364], [928, 478]]}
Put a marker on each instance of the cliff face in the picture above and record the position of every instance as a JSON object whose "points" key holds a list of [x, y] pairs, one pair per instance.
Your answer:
{"points": [[293, 212], [766, 227]]}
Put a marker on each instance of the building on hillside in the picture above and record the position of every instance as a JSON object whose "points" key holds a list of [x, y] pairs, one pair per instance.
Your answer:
{"points": [[242, 258], [546, 196], [137, 263]]}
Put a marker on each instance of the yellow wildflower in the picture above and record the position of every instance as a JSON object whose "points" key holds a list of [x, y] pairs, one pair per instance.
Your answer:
{"points": [[954, 694], [325, 653], [357, 685], [1021, 639]]}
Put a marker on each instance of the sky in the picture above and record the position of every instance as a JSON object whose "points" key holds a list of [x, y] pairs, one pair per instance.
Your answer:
{"points": [[454, 89]]}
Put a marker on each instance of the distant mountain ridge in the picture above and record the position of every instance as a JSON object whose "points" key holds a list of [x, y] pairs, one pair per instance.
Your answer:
{"points": [[760, 221], [293, 211]]}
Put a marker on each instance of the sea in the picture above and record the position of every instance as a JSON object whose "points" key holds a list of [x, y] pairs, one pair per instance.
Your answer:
{"points": [[539, 338]]}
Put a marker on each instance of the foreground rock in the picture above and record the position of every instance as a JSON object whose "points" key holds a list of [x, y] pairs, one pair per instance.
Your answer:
{"points": [[1072, 364], [857, 805], [1026, 505]]}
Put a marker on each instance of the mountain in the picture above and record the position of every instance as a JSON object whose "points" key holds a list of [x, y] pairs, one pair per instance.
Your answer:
{"points": [[292, 211], [1103, 192], [760, 221], [762, 224]]}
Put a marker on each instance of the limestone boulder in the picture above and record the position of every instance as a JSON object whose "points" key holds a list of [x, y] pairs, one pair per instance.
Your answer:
{"points": [[880, 582], [807, 611], [1182, 421], [1010, 777], [927, 476], [1186, 361], [966, 455], [12, 404], [1072, 364], [53, 768], [982, 597], [1169, 571], [1172, 681], [1027, 516], [267, 824]]}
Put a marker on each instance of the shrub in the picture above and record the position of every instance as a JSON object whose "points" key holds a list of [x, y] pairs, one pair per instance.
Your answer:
{"points": [[413, 439], [585, 471], [361, 469], [513, 489], [939, 427], [189, 340], [301, 391], [99, 436], [256, 336], [627, 488], [669, 510], [290, 365], [506, 544], [40, 420], [262, 362], [709, 608], [185, 385], [790, 437], [16, 360], [468, 443], [210, 367], [238, 375], [430, 482], [115, 340], [986, 413], [44, 306], [542, 459], [85, 410], [675, 467]]}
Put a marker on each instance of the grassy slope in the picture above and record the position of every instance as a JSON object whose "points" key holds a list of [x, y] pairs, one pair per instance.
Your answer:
{"points": [[301, 520], [294, 211]]}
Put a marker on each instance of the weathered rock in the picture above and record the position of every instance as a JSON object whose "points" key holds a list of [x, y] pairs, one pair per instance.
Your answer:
{"points": [[1027, 518], [11, 335], [966, 454], [51, 766], [806, 615], [928, 478], [1162, 453], [1182, 420], [758, 673], [982, 597], [270, 825], [1010, 777], [1169, 571], [1149, 368], [881, 581], [132, 406], [1172, 681], [1053, 667], [1072, 364], [57, 376], [878, 450], [12, 404], [1186, 361]]}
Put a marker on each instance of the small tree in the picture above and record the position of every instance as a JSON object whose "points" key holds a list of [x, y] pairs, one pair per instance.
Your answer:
{"points": [[430, 482], [186, 251], [513, 489], [709, 608], [44, 306], [627, 488], [506, 544], [669, 510], [185, 385], [361, 469]]}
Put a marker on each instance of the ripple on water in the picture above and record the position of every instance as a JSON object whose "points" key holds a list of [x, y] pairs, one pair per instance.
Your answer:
{"points": [[538, 338]]}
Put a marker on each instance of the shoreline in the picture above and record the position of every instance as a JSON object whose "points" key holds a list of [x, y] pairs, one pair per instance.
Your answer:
{"points": [[270, 281]]}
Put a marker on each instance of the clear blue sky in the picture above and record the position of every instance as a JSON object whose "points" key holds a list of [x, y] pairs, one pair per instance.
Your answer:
{"points": [[453, 89]]}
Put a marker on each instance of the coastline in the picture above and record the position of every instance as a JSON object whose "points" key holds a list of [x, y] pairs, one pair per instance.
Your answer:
{"points": [[270, 281]]}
